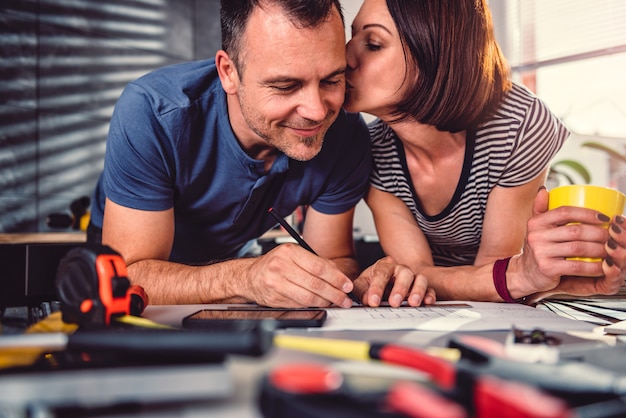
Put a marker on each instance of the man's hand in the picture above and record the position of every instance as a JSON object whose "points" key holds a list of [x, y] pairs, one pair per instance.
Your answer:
{"points": [[386, 279], [289, 276]]}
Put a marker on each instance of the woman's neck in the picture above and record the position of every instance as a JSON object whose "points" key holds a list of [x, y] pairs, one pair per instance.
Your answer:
{"points": [[426, 141]]}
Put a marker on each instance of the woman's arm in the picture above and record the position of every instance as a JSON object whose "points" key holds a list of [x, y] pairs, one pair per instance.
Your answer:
{"points": [[402, 239], [538, 268]]}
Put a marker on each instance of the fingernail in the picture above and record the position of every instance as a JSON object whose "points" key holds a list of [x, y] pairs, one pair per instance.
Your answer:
{"points": [[374, 300], [603, 217], [396, 300], [415, 300], [612, 244], [616, 229], [609, 261], [347, 287], [619, 219]]}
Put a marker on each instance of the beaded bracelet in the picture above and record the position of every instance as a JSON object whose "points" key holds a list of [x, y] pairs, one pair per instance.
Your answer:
{"points": [[499, 279]]}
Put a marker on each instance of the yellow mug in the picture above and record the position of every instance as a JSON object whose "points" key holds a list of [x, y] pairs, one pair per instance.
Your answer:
{"points": [[603, 199]]}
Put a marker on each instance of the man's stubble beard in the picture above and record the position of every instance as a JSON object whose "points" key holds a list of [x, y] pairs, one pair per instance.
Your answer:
{"points": [[285, 145]]}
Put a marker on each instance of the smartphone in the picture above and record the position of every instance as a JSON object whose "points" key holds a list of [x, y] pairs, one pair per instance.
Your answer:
{"points": [[236, 317]]}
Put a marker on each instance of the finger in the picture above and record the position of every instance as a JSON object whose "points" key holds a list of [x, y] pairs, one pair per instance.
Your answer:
{"points": [[541, 202], [579, 232], [616, 254], [580, 268], [403, 280], [581, 250], [616, 231], [321, 268], [613, 279], [614, 265], [379, 275], [430, 297], [542, 234], [318, 285], [290, 293], [371, 298], [587, 286], [280, 291], [616, 244], [360, 286], [419, 291], [568, 214]]}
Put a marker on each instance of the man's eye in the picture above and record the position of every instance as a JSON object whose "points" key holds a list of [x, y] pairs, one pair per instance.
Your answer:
{"points": [[284, 89], [333, 82]]}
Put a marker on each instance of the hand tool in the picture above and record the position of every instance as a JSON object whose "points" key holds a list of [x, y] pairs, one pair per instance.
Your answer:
{"points": [[93, 287]]}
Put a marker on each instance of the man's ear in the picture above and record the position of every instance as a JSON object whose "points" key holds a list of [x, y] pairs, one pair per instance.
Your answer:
{"points": [[227, 72]]}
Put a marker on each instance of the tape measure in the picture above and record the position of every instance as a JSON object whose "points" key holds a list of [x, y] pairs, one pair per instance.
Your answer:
{"points": [[93, 287]]}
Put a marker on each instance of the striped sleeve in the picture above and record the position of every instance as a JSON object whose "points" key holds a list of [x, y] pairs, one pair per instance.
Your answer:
{"points": [[540, 137]]}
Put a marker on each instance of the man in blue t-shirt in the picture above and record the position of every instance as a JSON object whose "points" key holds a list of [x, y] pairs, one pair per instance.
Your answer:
{"points": [[198, 152]]}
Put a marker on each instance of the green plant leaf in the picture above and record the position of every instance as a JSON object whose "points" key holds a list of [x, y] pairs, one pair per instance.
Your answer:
{"points": [[606, 149], [557, 173], [575, 166]]}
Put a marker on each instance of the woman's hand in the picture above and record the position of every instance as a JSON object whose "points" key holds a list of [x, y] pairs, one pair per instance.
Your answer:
{"points": [[554, 236], [613, 268], [389, 280]]}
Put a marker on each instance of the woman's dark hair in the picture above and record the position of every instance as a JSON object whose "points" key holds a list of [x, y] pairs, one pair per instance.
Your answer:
{"points": [[456, 73], [234, 15]]}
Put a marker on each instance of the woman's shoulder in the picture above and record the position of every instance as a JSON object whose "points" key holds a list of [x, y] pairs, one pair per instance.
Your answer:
{"points": [[519, 102], [380, 132]]}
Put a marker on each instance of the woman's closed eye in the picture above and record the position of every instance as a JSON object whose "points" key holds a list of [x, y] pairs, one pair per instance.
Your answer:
{"points": [[373, 46]]}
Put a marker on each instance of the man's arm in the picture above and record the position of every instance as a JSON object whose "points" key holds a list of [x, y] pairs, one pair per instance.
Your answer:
{"points": [[288, 276]]}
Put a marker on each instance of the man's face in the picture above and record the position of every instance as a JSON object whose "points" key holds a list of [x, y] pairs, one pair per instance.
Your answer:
{"points": [[292, 86]]}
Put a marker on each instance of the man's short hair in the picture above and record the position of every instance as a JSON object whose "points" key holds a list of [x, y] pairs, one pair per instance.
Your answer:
{"points": [[234, 16]]}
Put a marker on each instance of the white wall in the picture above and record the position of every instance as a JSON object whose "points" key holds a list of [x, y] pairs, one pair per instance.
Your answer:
{"points": [[350, 9], [363, 222]]}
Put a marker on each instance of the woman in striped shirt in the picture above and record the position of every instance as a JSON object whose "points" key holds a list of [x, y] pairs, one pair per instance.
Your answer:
{"points": [[460, 158]]}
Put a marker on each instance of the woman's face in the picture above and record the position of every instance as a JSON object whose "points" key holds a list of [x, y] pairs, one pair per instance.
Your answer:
{"points": [[376, 63]]}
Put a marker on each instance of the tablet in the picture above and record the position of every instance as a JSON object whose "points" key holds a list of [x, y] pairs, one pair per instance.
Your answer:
{"points": [[236, 317]]}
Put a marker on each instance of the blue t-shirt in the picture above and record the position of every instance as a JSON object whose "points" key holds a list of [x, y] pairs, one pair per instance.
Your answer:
{"points": [[170, 145]]}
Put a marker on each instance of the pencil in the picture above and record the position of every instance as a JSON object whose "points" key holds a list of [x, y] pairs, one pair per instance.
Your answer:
{"points": [[290, 230]]}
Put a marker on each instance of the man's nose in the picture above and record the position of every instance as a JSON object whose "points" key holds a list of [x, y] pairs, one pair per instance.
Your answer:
{"points": [[313, 106]]}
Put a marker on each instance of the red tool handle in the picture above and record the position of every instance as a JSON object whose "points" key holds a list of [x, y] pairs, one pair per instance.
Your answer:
{"points": [[441, 371]]}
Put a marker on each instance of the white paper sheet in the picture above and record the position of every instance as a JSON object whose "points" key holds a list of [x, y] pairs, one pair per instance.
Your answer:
{"points": [[450, 316]]}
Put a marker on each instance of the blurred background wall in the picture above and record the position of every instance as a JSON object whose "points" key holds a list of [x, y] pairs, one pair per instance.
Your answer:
{"points": [[63, 64]]}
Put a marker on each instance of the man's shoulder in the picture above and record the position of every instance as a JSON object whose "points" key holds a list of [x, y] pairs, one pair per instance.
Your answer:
{"points": [[178, 85], [350, 118], [348, 123], [179, 71], [348, 137]]}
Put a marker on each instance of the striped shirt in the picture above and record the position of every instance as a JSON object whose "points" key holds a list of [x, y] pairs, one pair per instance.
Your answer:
{"points": [[509, 150]]}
